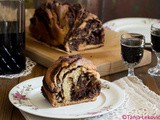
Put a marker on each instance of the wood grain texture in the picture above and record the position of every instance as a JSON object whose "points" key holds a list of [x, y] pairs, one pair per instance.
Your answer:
{"points": [[5, 105], [107, 58], [8, 112]]}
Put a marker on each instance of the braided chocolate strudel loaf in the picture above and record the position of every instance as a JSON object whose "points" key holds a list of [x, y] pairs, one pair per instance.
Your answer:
{"points": [[71, 80], [68, 27]]}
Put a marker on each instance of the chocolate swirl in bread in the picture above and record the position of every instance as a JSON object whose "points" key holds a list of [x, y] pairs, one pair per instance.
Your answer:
{"points": [[71, 80], [69, 27]]}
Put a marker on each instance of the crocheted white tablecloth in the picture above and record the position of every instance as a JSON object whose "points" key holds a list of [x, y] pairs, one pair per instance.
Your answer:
{"points": [[29, 66], [140, 103]]}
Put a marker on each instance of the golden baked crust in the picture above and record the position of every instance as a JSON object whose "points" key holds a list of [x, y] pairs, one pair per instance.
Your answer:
{"points": [[71, 80], [69, 27]]}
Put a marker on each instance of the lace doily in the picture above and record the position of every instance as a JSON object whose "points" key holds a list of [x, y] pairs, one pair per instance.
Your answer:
{"points": [[140, 103], [29, 65]]}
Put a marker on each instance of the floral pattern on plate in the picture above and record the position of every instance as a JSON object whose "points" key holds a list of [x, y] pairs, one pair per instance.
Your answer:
{"points": [[27, 96], [20, 97]]}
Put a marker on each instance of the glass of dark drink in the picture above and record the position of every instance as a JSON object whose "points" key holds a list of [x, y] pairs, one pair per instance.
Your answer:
{"points": [[155, 44], [132, 45], [12, 36]]}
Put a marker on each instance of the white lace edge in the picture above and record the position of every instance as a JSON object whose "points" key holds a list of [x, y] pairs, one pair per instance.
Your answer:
{"points": [[29, 66]]}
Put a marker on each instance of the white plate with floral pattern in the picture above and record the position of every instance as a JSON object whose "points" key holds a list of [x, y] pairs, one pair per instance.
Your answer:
{"points": [[136, 25], [27, 97]]}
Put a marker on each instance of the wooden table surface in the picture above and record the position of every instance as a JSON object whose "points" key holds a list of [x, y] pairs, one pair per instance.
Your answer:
{"points": [[9, 112]]}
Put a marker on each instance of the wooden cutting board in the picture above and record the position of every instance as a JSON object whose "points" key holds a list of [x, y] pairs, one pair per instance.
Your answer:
{"points": [[107, 58]]}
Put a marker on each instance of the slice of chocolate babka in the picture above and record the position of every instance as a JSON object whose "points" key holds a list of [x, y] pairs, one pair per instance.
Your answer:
{"points": [[71, 80]]}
